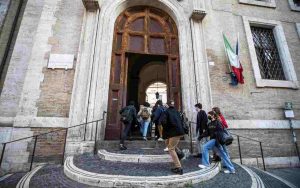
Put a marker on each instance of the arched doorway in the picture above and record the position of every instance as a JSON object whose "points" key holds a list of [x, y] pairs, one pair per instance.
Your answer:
{"points": [[142, 35]]}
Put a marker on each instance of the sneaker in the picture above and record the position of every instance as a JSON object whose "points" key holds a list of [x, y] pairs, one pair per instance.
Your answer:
{"points": [[122, 147], [160, 139], [229, 172], [177, 171], [144, 138], [166, 149], [202, 166]]}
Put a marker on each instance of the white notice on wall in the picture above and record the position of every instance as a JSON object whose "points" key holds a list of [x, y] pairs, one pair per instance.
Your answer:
{"points": [[61, 61]]}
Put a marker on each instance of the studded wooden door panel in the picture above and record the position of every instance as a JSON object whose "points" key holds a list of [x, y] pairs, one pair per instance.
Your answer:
{"points": [[141, 30]]}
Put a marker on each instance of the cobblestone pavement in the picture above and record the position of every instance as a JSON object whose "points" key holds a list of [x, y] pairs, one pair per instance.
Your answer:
{"points": [[241, 179], [95, 164], [53, 176], [268, 180], [292, 175], [12, 180]]}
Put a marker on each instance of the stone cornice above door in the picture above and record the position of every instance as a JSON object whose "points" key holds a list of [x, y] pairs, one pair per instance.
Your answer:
{"points": [[199, 11], [91, 5]]}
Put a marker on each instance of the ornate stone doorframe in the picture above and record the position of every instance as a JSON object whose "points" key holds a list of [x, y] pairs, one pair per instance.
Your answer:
{"points": [[91, 84]]}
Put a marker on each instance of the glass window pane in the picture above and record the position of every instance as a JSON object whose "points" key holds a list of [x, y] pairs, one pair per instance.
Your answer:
{"points": [[137, 25], [157, 45], [267, 53], [136, 43], [155, 26]]}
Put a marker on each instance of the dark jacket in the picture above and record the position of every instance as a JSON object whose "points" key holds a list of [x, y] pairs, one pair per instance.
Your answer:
{"points": [[201, 122], [214, 127], [158, 114], [133, 113], [172, 125]]}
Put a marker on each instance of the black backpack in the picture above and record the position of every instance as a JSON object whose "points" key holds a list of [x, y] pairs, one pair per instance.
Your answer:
{"points": [[126, 115], [185, 124]]}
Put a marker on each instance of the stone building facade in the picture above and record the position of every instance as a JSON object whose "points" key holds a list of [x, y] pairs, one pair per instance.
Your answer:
{"points": [[36, 98]]}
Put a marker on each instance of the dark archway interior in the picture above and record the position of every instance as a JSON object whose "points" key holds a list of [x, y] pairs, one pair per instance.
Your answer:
{"points": [[136, 62]]}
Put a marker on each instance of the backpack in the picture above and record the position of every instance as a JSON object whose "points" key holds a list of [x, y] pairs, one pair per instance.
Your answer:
{"points": [[184, 121], [224, 137], [145, 114], [126, 116]]}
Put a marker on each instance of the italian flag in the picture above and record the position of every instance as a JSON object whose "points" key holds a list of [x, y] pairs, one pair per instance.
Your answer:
{"points": [[234, 61]]}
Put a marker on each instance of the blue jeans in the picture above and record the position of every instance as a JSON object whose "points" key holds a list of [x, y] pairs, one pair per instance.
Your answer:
{"points": [[144, 127], [226, 152], [211, 144]]}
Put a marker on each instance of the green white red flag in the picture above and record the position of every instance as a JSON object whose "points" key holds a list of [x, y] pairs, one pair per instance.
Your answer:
{"points": [[234, 61]]}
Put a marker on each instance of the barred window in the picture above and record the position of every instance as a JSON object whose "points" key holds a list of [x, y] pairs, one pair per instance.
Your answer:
{"points": [[267, 53]]}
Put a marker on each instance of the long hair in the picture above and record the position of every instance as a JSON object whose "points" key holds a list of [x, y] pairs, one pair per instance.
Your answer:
{"points": [[213, 114]]}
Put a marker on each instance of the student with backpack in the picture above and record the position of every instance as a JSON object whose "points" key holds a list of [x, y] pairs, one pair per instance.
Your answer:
{"points": [[213, 130], [145, 115], [128, 117], [157, 115], [173, 132], [224, 125]]}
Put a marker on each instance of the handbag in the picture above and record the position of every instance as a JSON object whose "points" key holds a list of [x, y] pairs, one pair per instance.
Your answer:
{"points": [[224, 137]]}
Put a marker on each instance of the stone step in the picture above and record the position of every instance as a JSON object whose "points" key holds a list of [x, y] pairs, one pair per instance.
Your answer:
{"points": [[135, 158], [114, 145], [93, 171]]}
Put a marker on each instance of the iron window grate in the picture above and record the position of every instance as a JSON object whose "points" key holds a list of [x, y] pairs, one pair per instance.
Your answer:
{"points": [[267, 53]]}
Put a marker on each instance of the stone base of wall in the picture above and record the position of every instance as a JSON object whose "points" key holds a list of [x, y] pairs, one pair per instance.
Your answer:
{"points": [[270, 162], [18, 155]]}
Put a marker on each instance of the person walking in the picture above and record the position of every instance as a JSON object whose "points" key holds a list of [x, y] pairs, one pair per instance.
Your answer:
{"points": [[128, 118], [214, 128], [225, 126], [173, 132], [200, 128], [157, 116], [145, 115]]}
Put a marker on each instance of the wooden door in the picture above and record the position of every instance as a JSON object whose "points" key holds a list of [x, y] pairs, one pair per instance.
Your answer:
{"points": [[141, 30]]}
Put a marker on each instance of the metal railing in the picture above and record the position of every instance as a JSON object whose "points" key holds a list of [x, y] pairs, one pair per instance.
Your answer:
{"points": [[238, 143], [64, 143], [240, 152]]}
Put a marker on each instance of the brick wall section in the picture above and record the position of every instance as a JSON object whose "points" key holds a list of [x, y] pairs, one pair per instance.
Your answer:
{"points": [[56, 96], [49, 147], [56, 89], [275, 143], [247, 101]]}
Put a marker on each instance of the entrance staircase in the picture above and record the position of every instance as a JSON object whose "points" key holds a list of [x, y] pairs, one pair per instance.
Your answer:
{"points": [[143, 164]]}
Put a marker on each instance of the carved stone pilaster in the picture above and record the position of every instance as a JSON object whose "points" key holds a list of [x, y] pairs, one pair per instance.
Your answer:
{"points": [[198, 10], [91, 5]]}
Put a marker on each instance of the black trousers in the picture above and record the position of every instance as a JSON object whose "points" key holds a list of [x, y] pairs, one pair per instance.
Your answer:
{"points": [[125, 132]]}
